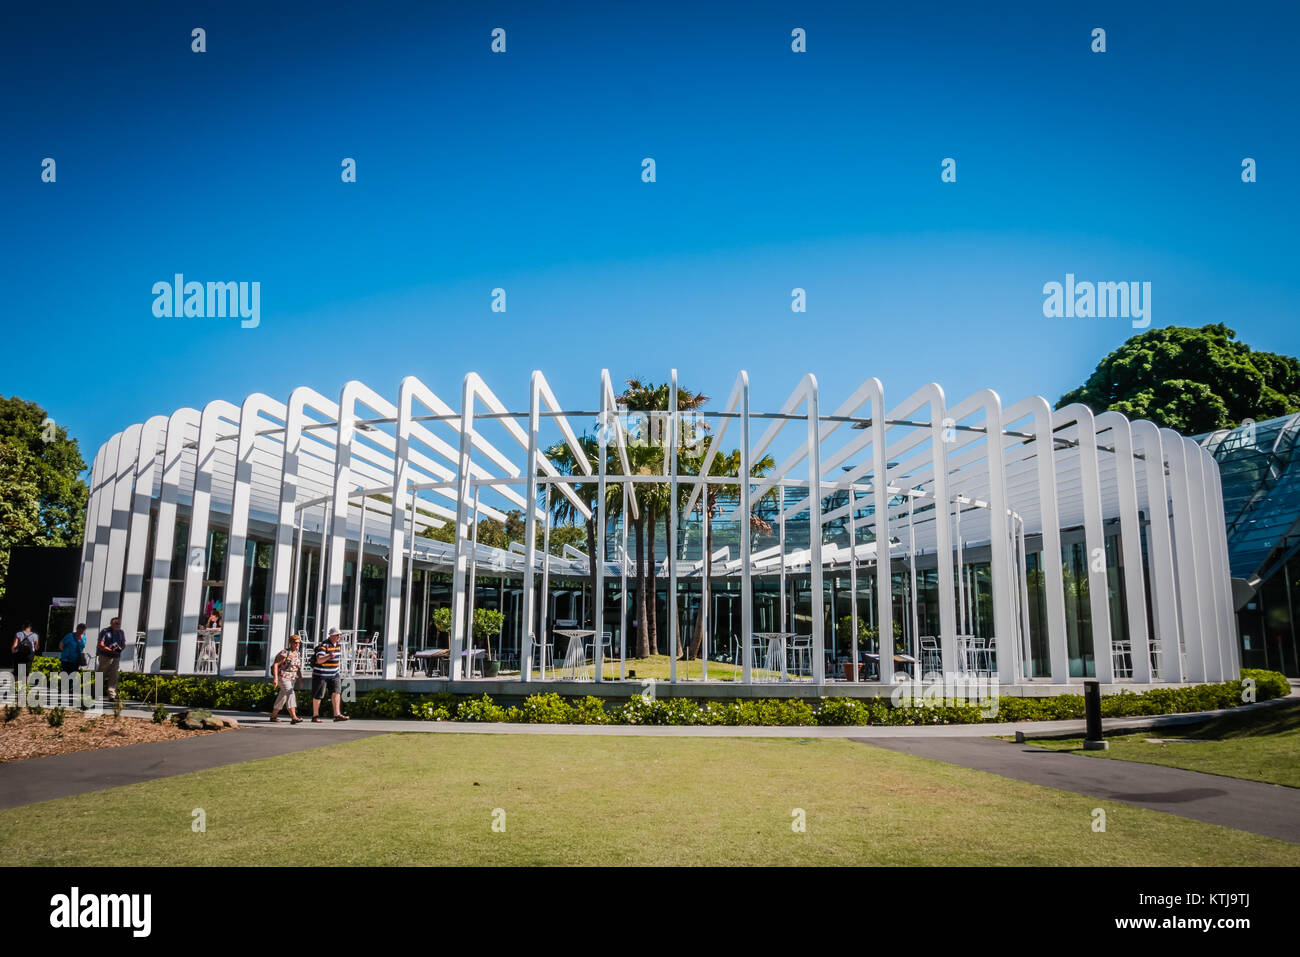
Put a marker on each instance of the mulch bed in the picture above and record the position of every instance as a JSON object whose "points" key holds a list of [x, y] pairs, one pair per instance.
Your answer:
{"points": [[30, 735]]}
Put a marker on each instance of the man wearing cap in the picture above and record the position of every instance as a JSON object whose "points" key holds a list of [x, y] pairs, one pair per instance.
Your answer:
{"points": [[325, 676], [109, 648]]}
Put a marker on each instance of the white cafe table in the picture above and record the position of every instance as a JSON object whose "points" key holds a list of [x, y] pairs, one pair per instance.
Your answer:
{"points": [[208, 653], [776, 645], [575, 659]]}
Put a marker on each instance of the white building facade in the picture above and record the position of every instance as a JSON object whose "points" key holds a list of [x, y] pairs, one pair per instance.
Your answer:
{"points": [[1021, 542]]}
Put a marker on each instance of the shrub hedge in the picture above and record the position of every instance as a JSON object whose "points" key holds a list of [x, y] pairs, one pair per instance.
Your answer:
{"points": [[551, 708]]}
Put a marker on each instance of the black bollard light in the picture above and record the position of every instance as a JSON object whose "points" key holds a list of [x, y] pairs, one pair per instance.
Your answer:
{"points": [[1092, 739]]}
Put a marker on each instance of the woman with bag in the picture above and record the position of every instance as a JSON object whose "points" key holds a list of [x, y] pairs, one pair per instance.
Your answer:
{"points": [[284, 672], [72, 651]]}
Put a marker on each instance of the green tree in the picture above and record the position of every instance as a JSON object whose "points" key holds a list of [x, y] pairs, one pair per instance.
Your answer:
{"points": [[20, 503], [1192, 380], [724, 464], [42, 495], [652, 499]]}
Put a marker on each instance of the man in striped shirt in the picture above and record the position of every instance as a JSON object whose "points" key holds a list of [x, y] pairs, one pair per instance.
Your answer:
{"points": [[325, 676]]}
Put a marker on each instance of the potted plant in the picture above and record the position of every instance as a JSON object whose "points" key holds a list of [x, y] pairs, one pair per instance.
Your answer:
{"points": [[442, 621], [866, 636], [488, 623]]}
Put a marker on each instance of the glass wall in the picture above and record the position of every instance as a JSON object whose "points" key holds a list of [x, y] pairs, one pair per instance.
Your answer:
{"points": [[1078, 609]]}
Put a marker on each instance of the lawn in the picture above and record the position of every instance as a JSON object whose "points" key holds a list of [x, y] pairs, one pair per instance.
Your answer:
{"points": [[433, 798], [657, 667], [1259, 745]]}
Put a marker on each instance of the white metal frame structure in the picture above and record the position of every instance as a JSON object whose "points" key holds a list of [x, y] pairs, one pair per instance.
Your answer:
{"points": [[319, 479]]}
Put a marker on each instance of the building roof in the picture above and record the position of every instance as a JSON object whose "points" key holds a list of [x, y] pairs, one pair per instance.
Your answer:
{"points": [[1259, 463]]}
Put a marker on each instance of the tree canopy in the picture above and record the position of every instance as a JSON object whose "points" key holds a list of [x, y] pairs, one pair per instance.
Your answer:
{"points": [[1192, 380], [42, 495]]}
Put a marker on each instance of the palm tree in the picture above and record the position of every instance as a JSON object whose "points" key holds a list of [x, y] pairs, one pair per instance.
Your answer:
{"points": [[652, 498], [724, 464]]}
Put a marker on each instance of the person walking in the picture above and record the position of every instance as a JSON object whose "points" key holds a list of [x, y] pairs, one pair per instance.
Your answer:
{"points": [[26, 644], [325, 676], [72, 651], [284, 672], [112, 641]]}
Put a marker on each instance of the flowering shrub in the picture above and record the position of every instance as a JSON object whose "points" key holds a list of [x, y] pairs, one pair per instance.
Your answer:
{"points": [[480, 709]]}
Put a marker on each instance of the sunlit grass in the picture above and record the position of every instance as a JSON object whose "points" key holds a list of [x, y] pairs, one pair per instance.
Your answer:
{"points": [[658, 667], [433, 799]]}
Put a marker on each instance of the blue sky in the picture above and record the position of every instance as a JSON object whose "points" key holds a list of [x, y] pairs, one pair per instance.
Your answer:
{"points": [[522, 171]]}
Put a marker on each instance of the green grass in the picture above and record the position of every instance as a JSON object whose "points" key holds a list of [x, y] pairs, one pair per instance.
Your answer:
{"points": [[657, 667], [1258, 745], [429, 799]]}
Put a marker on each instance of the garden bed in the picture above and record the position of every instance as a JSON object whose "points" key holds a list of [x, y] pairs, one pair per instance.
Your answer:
{"points": [[32, 736]]}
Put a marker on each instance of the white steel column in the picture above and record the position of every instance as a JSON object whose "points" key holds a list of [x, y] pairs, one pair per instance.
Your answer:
{"points": [[780, 516], [622, 594], [1227, 611], [884, 598], [458, 596], [1164, 598], [1185, 555], [1224, 640], [1130, 539], [406, 629], [1094, 537], [746, 536], [817, 600], [598, 619], [196, 555], [1206, 577], [103, 496], [119, 520], [706, 594], [249, 417], [337, 530], [527, 635], [285, 582], [670, 461], [1050, 556], [999, 550], [88, 535], [361, 558], [942, 530], [322, 567], [546, 584], [178, 427], [295, 579], [138, 539]]}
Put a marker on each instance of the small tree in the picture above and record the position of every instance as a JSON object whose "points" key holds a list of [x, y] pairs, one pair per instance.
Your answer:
{"points": [[487, 622], [442, 620]]}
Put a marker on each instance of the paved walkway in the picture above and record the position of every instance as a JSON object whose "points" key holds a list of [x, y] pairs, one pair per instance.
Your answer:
{"points": [[62, 775], [1268, 809]]}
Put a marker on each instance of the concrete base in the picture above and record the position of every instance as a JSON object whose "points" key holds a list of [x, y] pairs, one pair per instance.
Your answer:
{"points": [[1096, 745]]}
